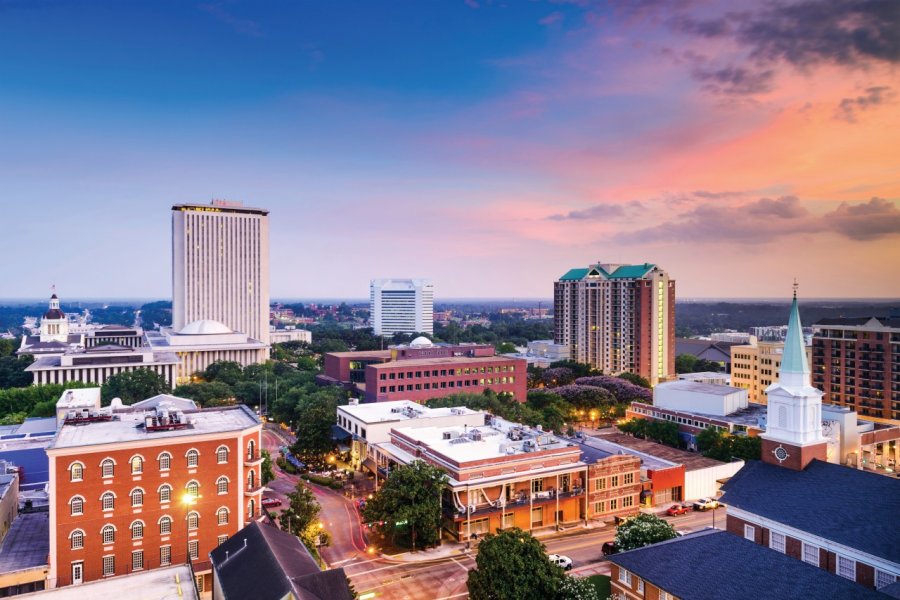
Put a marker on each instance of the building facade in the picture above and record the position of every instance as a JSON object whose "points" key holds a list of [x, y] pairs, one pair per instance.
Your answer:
{"points": [[401, 306], [54, 336], [220, 267], [99, 363], [138, 490], [856, 362], [618, 318], [755, 366]]}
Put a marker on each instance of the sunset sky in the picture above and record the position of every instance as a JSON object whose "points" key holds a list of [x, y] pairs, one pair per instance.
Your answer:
{"points": [[489, 145]]}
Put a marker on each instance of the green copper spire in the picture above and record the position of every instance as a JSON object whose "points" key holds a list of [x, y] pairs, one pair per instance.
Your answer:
{"points": [[794, 358]]}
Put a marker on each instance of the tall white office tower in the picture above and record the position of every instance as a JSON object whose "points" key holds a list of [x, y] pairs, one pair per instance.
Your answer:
{"points": [[401, 306], [220, 267]]}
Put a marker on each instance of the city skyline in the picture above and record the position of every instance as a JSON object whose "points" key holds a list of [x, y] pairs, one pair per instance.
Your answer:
{"points": [[486, 147]]}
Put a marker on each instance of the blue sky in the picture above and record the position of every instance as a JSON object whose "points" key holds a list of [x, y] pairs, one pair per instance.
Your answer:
{"points": [[490, 146]]}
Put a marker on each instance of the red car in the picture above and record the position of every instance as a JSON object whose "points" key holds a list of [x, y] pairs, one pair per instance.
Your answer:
{"points": [[270, 502], [678, 509]]}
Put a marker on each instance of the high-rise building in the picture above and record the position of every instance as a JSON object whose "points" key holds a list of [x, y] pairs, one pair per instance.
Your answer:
{"points": [[618, 318], [401, 306], [755, 366], [220, 267], [856, 362]]}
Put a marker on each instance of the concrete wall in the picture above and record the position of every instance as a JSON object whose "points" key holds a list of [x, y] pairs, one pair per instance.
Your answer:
{"points": [[703, 482]]}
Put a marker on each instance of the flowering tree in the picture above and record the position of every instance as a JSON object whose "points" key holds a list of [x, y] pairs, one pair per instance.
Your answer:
{"points": [[642, 530]]}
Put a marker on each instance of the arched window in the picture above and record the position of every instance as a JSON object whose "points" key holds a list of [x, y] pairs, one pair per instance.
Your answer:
{"points": [[222, 454], [137, 530], [108, 500], [76, 505], [137, 497], [192, 488], [222, 516], [165, 493], [107, 467], [193, 520], [251, 508], [251, 479], [222, 485], [251, 450], [193, 458], [137, 465], [77, 539], [108, 533], [76, 471], [165, 461], [165, 525]]}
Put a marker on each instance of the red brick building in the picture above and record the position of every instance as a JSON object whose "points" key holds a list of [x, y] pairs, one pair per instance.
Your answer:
{"points": [[135, 490]]}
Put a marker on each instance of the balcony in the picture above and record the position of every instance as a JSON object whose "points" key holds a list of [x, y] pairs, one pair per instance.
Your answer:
{"points": [[537, 499], [253, 458], [252, 490]]}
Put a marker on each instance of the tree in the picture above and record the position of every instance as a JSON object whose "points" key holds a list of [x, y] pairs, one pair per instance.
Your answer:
{"points": [[720, 445], [133, 386], [315, 416], [512, 565], [267, 473], [300, 518], [12, 371], [225, 371], [506, 348], [576, 588], [409, 505], [635, 379], [643, 530], [684, 363], [207, 393]]}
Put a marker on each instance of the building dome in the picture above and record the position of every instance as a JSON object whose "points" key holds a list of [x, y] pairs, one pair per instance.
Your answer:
{"points": [[204, 327], [421, 342]]}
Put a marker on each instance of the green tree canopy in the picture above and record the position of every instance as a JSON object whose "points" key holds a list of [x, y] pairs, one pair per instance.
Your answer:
{"points": [[643, 530], [512, 565], [207, 393], [314, 414], [635, 379], [133, 386], [409, 504]]}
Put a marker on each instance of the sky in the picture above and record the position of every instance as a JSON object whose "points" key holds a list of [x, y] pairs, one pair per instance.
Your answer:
{"points": [[488, 145]]}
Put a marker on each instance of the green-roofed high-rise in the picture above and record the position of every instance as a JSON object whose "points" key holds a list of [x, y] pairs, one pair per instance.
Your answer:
{"points": [[618, 318]]}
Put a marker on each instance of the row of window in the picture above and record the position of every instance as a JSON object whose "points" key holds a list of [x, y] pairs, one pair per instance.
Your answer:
{"points": [[446, 384], [108, 499], [446, 372], [165, 557], [108, 532], [613, 504], [614, 481], [627, 579]]}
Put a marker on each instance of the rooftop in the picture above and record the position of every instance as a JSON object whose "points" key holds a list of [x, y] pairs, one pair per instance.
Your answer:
{"points": [[27, 544], [605, 271], [363, 354], [743, 570], [754, 415], [597, 448], [449, 360], [838, 492], [692, 461], [129, 427], [696, 387], [167, 583], [79, 398], [399, 410]]}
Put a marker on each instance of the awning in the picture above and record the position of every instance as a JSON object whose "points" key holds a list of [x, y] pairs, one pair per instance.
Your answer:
{"points": [[369, 464], [339, 434]]}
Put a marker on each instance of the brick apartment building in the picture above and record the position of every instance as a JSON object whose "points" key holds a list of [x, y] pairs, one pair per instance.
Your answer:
{"points": [[422, 370], [132, 490], [856, 362]]}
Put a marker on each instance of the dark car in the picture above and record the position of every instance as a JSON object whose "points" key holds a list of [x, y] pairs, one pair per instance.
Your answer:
{"points": [[609, 548], [678, 509]]}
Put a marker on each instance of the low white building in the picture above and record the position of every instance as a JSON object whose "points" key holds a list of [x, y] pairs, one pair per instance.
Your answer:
{"points": [[704, 398], [97, 364], [290, 334], [706, 377]]}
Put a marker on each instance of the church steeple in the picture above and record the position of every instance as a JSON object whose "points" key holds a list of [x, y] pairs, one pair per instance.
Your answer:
{"points": [[794, 365]]}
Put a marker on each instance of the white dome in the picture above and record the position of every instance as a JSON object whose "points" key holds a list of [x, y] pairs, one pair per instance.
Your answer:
{"points": [[204, 327], [421, 342]]}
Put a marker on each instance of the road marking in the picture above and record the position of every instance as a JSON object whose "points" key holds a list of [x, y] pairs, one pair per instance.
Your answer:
{"points": [[460, 565]]}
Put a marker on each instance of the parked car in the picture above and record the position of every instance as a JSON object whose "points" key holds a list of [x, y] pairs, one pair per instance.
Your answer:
{"points": [[706, 504], [270, 502], [561, 561], [609, 548], [678, 509]]}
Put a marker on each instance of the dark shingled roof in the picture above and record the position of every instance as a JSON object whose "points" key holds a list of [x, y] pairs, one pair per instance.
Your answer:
{"points": [[714, 564], [264, 563], [838, 503]]}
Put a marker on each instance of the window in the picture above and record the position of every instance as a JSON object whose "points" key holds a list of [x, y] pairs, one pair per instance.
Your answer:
{"points": [[137, 497], [76, 472], [198, 579], [776, 541], [77, 539], [537, 485], [600, 484], [750, 533], [108, 501], [846, 567], [109, 566], [137, 560], [640, 586], [165, 461], [165, 525], [614, 504], [599, 507], [664, 595], [625, 577], [222, 454], [193, 488], [108, 534], [628, 478], [76, 506], [251, 450], [221, 540], [193, 458], [614, 481], [194, 549], [165, 555], [882, 579], [251, 479], [165, 493], [107, 467], [811, 554], [193, 520], [251, 508], [137, 465], [627, 501], [222, 516], [137, 530], [222, 485]]}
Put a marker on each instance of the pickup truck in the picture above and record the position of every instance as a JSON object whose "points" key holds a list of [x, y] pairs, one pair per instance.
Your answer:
{"points": [[706, 504]]}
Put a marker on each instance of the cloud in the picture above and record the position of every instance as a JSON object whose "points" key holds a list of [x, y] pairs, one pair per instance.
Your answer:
{"points": [[718, 195], [598, 212], [732, 80], [246, 27], [769, 220], [846, 110], [554, 17]]}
